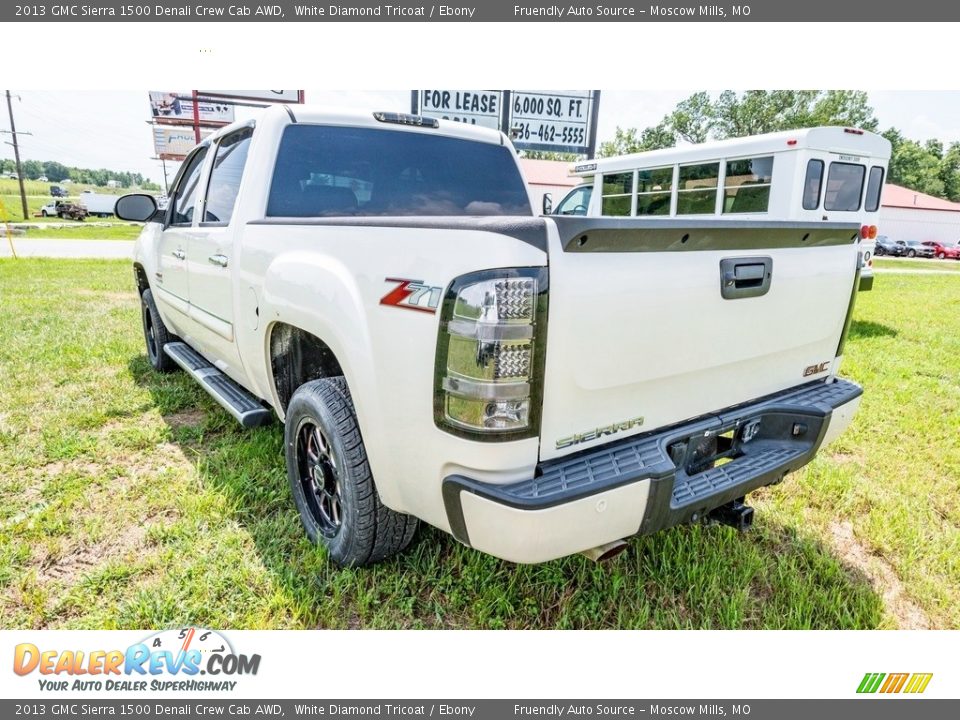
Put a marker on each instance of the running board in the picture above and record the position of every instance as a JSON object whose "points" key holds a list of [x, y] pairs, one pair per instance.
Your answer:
{"points": [[237, 401]]}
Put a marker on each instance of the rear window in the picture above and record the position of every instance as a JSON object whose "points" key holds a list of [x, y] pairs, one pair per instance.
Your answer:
{"points": [[812, 185], [324, 171], [874, 186], [844, 187]]}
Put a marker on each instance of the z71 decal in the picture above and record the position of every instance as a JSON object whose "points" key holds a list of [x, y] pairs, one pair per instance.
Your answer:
{"points": [[413, 295]]}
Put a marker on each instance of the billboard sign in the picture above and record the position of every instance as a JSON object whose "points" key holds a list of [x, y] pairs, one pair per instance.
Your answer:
{"points": [[560, 121], [174, 143], [269, 96], [176, 108]]}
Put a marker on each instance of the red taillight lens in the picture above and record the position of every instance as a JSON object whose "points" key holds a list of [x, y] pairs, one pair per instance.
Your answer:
{"points": [[873, 232], [868, 232]]}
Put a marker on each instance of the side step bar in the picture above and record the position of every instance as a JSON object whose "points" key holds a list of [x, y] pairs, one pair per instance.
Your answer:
{"points": [[244, 406]]}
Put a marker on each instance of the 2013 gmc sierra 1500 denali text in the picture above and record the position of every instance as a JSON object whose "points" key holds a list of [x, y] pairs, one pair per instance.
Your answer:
{"points": [[536, 386]]}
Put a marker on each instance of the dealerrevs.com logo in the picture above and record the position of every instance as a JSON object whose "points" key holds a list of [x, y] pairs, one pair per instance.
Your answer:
{"points": [[170, 660]]}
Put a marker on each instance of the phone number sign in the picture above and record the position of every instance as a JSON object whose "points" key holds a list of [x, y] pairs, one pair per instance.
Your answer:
{"points": [[561, 121]]}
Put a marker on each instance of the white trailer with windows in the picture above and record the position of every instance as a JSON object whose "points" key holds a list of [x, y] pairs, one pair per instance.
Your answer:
{"points": [[824, 174]]}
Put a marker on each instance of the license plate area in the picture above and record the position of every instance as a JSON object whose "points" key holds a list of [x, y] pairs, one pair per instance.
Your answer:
{"points": [[735, 438]]}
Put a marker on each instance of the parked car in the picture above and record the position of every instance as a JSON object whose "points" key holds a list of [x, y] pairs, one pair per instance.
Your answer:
{"points": [[915, 248], [944, 250], [886, 246], [57, 191], [64, 210]]}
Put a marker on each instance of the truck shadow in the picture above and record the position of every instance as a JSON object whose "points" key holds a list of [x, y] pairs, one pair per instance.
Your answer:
{"points": [[868, 329], [776, 576]]}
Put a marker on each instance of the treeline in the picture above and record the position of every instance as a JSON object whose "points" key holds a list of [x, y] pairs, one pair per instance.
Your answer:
{"points": [[929, 167], [57, 172]]}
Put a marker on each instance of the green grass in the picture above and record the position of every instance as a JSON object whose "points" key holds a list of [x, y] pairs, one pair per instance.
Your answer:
{"points": [[129, 499], [71, 230], [897, 264]]}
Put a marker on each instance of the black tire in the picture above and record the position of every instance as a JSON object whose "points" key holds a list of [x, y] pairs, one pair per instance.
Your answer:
{"points": [[911, 253], [331, 481], [155, 335], [941, 256]]}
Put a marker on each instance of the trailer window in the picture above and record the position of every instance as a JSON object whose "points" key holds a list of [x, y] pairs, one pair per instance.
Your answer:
{"points": [[654, 188], [746, 185], [697, 191], [874, 187], [844, 187], [329, 171], [617, 194], [812, 185]]}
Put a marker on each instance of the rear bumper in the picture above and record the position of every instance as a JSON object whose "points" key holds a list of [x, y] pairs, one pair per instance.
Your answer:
{"points": [[650, 482]]}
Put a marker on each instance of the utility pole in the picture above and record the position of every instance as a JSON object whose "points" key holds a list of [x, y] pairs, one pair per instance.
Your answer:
{"points": [[16, 155]]}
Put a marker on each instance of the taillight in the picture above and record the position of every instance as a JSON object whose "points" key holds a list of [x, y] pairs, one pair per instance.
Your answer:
{"points": [[490, 354], [868, 232], [873, 232]]}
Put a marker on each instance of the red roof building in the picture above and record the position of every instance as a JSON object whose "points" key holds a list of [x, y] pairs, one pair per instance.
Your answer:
{"points": [[910, 215]]}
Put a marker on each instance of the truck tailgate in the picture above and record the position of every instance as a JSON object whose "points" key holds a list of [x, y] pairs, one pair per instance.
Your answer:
{"points": [[652, 322]]}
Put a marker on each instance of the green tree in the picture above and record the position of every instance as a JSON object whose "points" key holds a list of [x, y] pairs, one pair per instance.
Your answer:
{"points": [[630, 141], [55, 171], [915, 166], [950, 172]]}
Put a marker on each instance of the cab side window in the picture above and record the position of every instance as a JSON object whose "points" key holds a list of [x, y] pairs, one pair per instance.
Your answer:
{"points": [[187, 192], [224, 184]]}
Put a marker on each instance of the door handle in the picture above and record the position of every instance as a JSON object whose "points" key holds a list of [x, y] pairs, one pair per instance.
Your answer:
{"points": [[220, 260], [745, 277], [179, 254]]}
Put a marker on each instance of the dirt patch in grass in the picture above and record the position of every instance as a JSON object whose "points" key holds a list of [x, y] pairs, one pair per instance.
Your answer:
{"points": [[909, 615], [68, 567], [186, 418]]}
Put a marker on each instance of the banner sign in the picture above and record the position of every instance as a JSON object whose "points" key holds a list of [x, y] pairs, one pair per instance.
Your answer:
{"points": [[176, 108], [562, 121], [171, 142]]}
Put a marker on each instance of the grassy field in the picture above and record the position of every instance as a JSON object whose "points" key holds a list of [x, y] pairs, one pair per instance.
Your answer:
{"points": [[82, 231], [38, 195], [130, 500]]}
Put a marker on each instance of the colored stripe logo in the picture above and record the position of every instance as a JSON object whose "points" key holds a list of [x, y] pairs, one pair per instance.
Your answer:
{"points": [[913, 683]]}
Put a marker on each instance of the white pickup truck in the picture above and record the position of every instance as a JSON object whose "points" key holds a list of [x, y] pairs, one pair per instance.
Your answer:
{"points": [[536, 386]]}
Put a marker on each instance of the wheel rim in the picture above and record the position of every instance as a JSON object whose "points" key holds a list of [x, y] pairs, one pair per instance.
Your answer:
{"points": [[150, 334], [319, 472]]}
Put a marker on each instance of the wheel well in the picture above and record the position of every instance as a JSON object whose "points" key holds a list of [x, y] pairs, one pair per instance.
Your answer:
{"points": [[141, 277], [297, 357]]}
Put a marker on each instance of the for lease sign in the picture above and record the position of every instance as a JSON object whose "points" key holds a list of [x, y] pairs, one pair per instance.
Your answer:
{"points": [[560, 121]]}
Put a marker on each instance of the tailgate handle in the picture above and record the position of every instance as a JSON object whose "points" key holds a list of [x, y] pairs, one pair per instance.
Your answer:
{"points": [[744, 277]]}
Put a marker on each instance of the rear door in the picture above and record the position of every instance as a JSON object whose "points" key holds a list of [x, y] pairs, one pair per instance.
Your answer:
{"points": [[211, 251], [667, 320], [172, 284]]}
